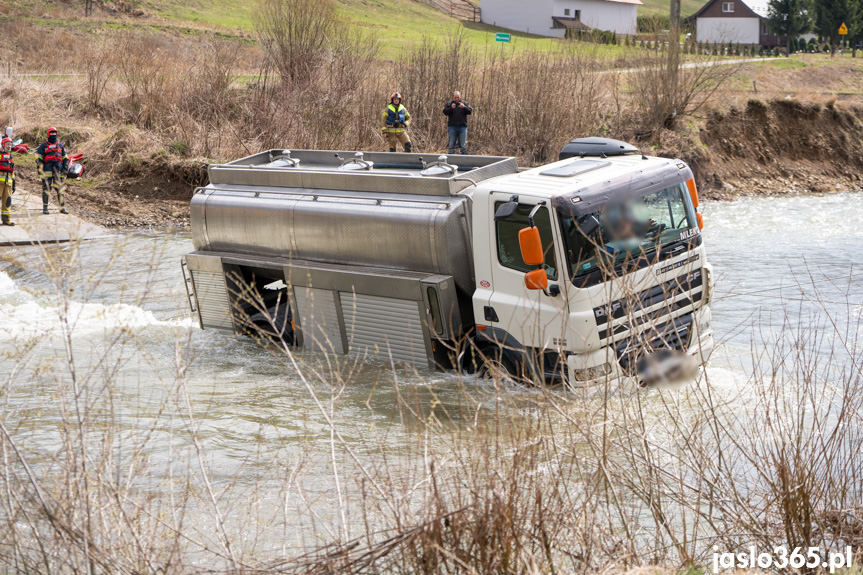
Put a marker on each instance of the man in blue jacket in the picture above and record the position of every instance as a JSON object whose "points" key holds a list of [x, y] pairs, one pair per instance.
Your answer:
{"points": [[457, 110]]}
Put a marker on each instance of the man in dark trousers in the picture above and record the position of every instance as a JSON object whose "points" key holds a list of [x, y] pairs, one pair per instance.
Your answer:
{"points": [[457, 110], [52, 164]]}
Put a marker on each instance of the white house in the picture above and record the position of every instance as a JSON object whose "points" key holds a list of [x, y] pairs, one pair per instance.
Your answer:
{"points": [[735, 21], [553, 17]]}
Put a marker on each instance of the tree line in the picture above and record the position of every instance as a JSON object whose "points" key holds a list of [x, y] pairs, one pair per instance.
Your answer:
{"points": [[789, 19]]}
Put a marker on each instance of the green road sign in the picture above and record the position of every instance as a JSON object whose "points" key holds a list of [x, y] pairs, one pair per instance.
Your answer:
{"points": [[502, 38]]}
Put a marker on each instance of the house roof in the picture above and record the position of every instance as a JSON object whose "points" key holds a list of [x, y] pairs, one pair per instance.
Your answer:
{"points": [[760, 7], [757, 7], [571, 23]]}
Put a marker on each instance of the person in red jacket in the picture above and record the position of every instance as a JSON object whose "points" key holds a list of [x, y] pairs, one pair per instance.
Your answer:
{"points": [[7, 181], [52, 165]]}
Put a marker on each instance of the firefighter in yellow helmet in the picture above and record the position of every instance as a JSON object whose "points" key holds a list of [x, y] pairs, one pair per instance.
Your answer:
{"points": [[52, 165], [396, 120], [7, 181]]}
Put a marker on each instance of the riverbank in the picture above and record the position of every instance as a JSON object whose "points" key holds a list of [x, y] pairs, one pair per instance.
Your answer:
{"points": [[149, 125], [759, 148], [779, 146]]}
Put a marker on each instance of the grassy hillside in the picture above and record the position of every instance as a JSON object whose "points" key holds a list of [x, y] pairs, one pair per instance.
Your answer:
{"points": [[398, 24], [399, 20]]}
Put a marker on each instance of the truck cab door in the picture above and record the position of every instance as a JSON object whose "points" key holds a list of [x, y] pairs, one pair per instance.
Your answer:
{"points": [[535, 319]]}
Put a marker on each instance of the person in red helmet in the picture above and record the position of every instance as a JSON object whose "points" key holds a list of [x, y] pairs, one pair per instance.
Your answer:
{"points": [[396, 121], [7, 181], [52, 165]]}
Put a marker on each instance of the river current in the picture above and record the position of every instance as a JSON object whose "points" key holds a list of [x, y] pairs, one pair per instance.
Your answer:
{"points": [[129, 331]]}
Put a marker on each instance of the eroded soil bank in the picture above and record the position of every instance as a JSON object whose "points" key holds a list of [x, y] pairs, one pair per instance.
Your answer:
{"points": [[772, 147], [777, 147]]}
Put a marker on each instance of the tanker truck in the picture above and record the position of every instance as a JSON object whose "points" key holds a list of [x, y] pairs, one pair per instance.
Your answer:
{"points": [[588, 269]]}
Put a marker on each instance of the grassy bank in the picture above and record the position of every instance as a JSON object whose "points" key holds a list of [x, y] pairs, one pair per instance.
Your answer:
{"points": [[151, 105]]}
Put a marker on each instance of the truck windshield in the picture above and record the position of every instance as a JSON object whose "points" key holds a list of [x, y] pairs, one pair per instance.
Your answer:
{"points": [[627, 231]]}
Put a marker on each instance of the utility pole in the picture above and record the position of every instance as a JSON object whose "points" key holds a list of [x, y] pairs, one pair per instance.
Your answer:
{"points": [[673, 53], [675, 14]]}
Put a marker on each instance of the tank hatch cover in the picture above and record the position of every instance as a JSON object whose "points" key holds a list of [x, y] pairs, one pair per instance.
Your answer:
{"points": [[575, 168], [596, 147]]}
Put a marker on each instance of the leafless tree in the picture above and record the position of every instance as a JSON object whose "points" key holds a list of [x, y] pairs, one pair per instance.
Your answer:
{"points": [[296, 35]]}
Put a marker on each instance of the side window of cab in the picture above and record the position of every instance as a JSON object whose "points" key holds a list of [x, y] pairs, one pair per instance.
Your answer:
{"points": [[508, 250]]}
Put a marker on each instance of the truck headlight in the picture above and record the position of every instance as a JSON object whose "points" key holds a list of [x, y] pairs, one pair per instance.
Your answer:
{"points": [[592, 372], [707, 286]]}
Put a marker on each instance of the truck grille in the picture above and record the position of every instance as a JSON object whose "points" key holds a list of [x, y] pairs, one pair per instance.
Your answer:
{"points": [[673, 335], [668, 292]]}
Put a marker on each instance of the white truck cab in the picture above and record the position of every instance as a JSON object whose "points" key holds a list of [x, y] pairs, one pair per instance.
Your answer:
{"points": [[609, 301], [588, 269]]}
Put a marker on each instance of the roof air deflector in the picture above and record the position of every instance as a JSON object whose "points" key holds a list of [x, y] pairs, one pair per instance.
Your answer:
{"points": [[596, 147]]}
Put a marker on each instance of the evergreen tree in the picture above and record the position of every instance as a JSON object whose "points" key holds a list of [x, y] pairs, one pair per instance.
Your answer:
{"points": [[789, 19], [831, 14]]}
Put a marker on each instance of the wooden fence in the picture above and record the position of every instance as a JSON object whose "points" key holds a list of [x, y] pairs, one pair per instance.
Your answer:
{"points": [[461, 9]]}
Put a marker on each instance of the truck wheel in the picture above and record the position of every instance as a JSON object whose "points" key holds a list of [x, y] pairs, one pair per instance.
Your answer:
{"points": [[275, 326], [494, 362]]}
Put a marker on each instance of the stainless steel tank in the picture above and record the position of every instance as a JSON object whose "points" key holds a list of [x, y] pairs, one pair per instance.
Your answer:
{"points": [[426, 234], [370, 210]]}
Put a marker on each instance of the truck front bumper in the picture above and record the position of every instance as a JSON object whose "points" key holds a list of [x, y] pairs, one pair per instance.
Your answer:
{"points": [[593, 369]]}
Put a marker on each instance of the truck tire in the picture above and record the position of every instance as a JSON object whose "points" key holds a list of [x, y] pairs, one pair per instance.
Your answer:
{"points": [[275, 326], [493, 361]]}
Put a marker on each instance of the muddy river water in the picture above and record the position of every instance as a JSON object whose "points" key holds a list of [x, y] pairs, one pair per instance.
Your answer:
{"points": [[147, 370]]}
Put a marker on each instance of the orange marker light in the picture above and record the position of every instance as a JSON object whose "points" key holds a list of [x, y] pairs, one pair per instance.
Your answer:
{"points": [[693, 191], [700, 221], [481, 327]]}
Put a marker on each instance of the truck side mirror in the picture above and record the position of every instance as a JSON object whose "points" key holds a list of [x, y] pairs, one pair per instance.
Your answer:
{"points": [[531, 246], [506, 210], [537, 279], [587, 225]]}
